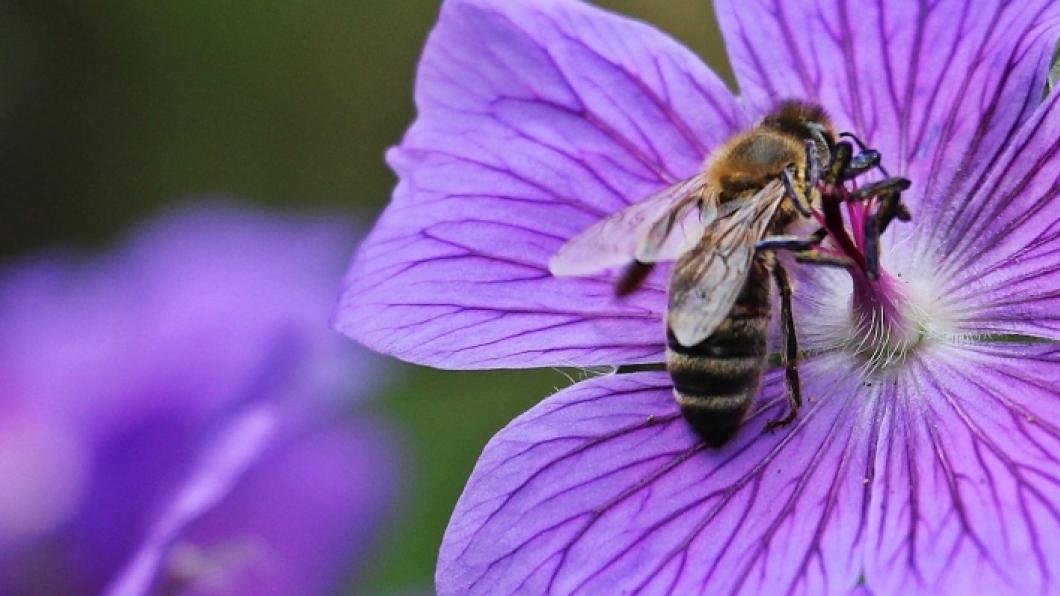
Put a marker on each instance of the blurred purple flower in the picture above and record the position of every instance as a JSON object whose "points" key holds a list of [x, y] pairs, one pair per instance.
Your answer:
{"points": [[177, 416], [922, 464]]}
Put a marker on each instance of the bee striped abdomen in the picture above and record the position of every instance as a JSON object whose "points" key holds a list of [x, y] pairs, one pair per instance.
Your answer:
{"points": [[716, 380]]}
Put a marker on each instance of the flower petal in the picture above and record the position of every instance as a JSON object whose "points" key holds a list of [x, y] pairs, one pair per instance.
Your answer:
{"points": [[997, 255], [535, 121], [304, 521], [115, 369], [967, 480], [238, 446], [270, 508], [180, 314], [939, 87], [603, 488]]}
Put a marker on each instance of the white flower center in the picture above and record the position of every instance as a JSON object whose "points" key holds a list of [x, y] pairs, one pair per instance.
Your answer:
{"points": [[885, 324]]}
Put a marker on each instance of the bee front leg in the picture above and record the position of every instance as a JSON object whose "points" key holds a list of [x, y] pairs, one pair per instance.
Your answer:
{"points": [[805, 249], [801, 198], [813, 168], [790, 350], [816, 257], [841, 157], [864, 160], [889, 192], [892, 208], [881, 188], [872, 245], [861, 163]]}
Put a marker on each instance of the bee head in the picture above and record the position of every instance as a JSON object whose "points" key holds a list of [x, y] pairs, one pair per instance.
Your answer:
{"points": [[804, 120]]}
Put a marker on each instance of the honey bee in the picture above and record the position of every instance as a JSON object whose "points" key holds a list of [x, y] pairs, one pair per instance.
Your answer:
{"points": [[723, 226]]}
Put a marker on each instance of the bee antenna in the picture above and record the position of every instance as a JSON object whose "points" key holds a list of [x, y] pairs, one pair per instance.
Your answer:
{"points": [[861, 144]]}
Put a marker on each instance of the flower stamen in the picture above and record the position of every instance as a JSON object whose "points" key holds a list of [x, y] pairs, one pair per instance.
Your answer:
{"points": [[885, 325]]}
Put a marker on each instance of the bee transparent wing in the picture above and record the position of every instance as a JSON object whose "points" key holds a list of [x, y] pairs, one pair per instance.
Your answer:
{"points": [[658, 228], [707, 279]]}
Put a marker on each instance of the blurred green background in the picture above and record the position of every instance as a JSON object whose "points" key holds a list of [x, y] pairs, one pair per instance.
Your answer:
{"points": [[112, 109]]}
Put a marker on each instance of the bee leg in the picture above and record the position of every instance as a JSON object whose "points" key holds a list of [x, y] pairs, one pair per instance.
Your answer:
{"points": [[861, 163], [813, 168], [841, 156], [891, 208], [889, 191], [815, 257], [864, 148], [872, 245], [792, 243], [801, 201], [880, 188], [790, 353], [632, 277]]}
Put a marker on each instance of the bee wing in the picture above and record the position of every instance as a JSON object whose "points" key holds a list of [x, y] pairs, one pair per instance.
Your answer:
{"points": [[707, 280], [657, 228]]}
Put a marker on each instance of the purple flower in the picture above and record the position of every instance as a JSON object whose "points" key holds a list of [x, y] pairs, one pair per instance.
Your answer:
{"points": [[925, 459], [177, 416]]}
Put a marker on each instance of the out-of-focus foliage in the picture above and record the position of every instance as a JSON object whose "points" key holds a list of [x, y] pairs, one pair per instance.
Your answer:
{"points": [[110, 110]]}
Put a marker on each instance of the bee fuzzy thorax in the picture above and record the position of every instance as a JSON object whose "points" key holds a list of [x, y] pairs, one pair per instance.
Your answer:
{"points": [[750, 160]]}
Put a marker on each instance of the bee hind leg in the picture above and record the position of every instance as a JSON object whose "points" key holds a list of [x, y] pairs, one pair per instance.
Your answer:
{"points": [[790, 350]]}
